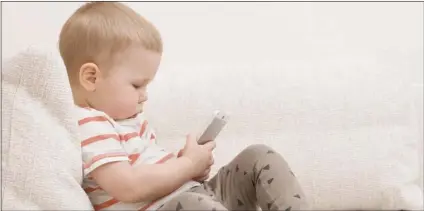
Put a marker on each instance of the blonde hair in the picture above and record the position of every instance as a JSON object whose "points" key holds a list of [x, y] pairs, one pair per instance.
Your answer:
{"points": [[99, 30]]}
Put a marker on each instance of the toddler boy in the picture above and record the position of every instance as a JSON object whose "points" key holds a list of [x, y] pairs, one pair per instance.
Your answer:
{"points": [[112, 54]]}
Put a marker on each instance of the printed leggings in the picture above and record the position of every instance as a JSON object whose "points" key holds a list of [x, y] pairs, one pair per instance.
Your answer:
{"points": [[257, 177]]}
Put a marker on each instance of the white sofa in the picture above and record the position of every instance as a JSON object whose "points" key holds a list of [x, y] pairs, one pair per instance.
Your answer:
{"points": [[352, 148]]}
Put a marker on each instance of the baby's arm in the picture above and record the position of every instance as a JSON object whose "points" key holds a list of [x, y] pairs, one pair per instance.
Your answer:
{"points": [[107, 163], [143, 182]]}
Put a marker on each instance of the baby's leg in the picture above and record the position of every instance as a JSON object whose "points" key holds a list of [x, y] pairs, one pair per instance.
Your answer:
{"points": [[196, 199], [258, 176]]}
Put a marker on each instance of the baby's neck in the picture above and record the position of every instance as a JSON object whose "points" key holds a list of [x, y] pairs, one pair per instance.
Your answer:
{"points": [[79, 98]]}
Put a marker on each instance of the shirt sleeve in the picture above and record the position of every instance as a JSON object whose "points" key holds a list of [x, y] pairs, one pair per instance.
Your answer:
{"points": [[147, 132], [100, 143]]}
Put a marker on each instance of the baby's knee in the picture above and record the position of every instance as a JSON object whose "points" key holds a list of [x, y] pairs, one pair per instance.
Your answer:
{"points": [[258, 148], [257, 152]]}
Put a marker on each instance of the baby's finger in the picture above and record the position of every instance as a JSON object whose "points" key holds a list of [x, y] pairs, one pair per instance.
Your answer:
{"points": [[210, 145], [203, 178], [191, 139], [212, 161], [180, 153], [207, 171]]}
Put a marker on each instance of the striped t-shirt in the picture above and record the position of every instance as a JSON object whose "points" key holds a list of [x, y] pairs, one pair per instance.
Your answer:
{"points": [[104, 140]]}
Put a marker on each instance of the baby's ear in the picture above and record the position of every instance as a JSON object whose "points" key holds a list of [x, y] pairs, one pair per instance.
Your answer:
{"points": [[88, 74]]}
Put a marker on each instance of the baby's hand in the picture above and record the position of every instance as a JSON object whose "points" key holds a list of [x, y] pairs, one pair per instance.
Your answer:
{"points": [[205, 175], [199, 155]]}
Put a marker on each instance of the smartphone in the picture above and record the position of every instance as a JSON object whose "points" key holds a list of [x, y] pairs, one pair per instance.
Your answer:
{"points": [[217, 124]]}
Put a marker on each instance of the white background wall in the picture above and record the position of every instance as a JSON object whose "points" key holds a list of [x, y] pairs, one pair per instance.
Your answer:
{"points": [[367, 52], [315, 73]]}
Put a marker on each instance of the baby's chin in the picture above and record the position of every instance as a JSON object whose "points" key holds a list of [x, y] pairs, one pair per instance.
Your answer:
{"points": [[139, 108], [126, 115]]}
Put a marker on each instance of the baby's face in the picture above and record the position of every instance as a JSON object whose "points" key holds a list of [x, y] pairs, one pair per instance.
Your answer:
{"points": [[122, 93]]}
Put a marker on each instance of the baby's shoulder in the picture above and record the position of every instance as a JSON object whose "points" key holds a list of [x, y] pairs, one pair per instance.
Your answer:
{"points": [[90, 114]]}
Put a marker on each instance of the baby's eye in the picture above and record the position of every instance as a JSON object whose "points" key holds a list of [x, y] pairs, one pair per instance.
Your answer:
{"points": [[136, 86]]}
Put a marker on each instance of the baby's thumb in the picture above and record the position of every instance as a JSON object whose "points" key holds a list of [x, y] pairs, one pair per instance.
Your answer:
{"points": [[211, 145], [191, 139]]}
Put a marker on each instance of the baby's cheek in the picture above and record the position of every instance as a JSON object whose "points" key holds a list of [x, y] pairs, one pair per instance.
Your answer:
{"points": [[129, 106]]}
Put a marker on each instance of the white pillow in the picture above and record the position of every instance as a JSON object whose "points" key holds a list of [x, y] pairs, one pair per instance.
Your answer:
{"points": [[42, 168]]}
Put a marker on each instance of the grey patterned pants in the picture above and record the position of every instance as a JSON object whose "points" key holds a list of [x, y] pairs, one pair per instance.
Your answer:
{"points": [[257, 177]]}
